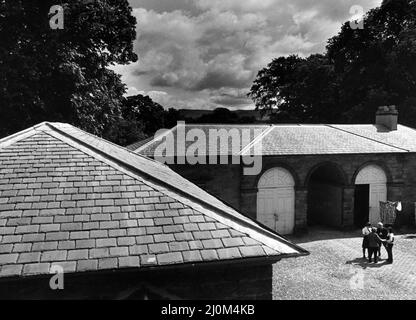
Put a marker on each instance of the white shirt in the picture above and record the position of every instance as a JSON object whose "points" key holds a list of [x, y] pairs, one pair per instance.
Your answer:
{"points": [[366, 231], [390, 238]]}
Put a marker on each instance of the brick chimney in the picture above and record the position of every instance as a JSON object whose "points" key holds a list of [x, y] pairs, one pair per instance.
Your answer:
{"points": [[387, 116]]}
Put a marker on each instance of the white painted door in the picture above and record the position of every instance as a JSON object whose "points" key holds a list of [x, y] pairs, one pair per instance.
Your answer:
{"points": [[265, 207], [276, 209], [378, 192], [374, 176], [276, 201]]}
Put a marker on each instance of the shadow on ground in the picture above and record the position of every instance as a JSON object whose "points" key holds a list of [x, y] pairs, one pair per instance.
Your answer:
{"points": [[323, 233], [318, 233], [363, 263]]}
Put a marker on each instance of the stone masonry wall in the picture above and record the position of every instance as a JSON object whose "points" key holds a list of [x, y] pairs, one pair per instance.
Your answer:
{"points": [[399, 168], [229, 184], [223, 181], [222, 282]]}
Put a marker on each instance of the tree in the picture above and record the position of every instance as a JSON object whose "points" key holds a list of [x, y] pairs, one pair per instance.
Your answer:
{"points": [[63, 75], [360, 70], [377, 65], [171, 118], [297, 89], [219, 115], [143, 109], [222, 116], [140, 118]]}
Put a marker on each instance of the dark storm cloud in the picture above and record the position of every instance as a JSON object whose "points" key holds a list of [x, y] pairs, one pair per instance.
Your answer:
{"points": [[192, 49]]}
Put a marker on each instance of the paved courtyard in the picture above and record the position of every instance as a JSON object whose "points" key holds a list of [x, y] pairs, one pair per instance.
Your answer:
{"points": [[335, 269]]}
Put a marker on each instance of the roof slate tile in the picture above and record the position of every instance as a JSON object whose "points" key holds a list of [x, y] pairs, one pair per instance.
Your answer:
{"points": [[170, 258], [129, 262]]}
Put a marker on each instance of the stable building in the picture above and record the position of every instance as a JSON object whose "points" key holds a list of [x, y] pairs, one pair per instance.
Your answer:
{"points": [[318, 174], [120, 226]]}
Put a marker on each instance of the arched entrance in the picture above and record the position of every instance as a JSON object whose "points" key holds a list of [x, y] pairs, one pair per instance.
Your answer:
{"points": [[276, 200], [371, 188], [325, 195]]}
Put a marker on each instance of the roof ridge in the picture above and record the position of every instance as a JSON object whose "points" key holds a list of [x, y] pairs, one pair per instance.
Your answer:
{"points": [[149, 143], [256, 140], [132, 146], [228, 124], [104, 140], [368, 138], [402, 125]]}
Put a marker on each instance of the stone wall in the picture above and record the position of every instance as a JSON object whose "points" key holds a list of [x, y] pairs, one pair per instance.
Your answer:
{"points": [[240, 191], [399, 168], [230, 282], [222, 181]]}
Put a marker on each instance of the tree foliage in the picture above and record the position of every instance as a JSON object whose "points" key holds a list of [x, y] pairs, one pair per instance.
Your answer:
{"points": [[140, 118], [360, 70], [222, 116], [63, 75]]}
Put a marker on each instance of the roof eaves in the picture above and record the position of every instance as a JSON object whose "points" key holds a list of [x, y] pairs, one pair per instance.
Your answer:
{"points": [[203, 265], [254, 229]]}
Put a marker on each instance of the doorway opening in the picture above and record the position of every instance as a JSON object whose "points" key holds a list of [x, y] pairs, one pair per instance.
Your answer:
{"points": [[361, 205], [325, 196], [374, 177]]}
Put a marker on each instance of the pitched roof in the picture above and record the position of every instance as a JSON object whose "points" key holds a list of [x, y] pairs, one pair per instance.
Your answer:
{"points": [[138, 144], [404, 137], [300, 139], [70, 198], [245, 133], [326, 139]]}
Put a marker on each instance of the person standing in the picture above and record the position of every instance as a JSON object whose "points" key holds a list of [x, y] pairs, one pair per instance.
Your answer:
{"points": [[366, 231], [389, 245], [382, 233], [374, 243]]}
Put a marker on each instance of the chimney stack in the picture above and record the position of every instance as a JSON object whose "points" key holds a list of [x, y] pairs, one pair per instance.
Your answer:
{"points": [[387, 116]]}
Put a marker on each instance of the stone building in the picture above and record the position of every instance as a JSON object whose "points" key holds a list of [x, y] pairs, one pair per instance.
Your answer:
{"points": [[334, 175], [120, 226]]}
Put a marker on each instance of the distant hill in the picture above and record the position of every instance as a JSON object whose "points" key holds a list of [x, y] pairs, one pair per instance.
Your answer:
{"points": [[194, 114]]}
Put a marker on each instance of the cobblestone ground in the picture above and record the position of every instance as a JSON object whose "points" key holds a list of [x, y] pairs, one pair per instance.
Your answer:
{"points": [[335, 269]]}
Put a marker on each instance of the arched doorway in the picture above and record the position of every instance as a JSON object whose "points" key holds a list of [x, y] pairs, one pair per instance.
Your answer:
{"points": [[325, 195], [276, 200], [371, 188]]}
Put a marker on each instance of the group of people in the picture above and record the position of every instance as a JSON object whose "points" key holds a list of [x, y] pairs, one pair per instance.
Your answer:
{"points": [[374, 239]]}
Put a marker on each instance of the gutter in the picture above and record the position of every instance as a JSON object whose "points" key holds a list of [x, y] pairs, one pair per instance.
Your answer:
{"points": [[199, 266]]}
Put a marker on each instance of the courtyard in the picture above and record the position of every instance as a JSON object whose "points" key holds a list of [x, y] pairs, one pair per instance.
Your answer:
{"points": [[335, 269]]}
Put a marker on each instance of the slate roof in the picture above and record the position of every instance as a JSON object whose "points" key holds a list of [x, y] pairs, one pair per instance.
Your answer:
{"points": [[73, 199], [251, 132], [327, 139], [300, 139]]}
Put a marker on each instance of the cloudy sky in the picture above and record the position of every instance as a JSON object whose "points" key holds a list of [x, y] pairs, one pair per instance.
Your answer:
{"points": [[203, 54]]}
